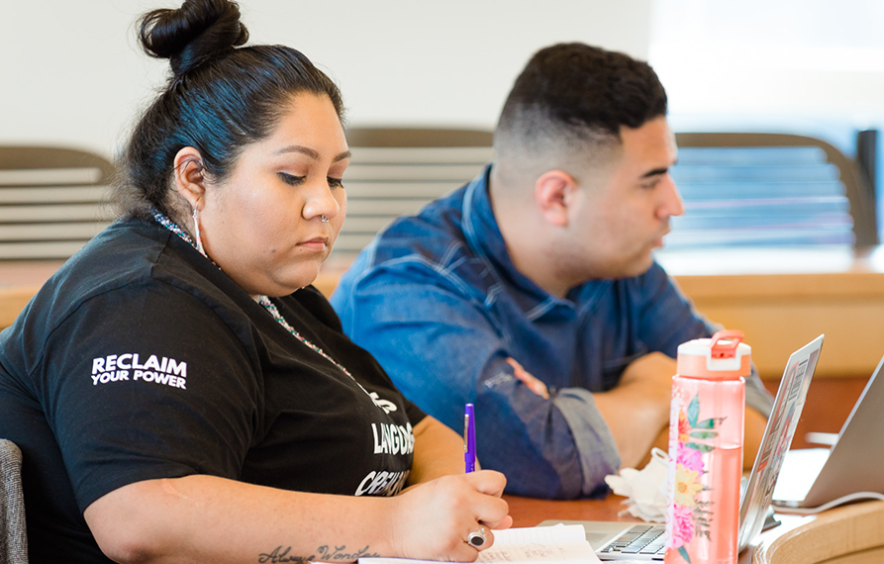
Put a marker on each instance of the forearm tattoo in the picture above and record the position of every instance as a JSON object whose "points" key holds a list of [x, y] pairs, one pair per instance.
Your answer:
{"points": [[324, 553]]}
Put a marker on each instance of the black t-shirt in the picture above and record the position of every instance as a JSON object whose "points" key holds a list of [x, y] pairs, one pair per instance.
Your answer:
{"points": [[140, 359]]}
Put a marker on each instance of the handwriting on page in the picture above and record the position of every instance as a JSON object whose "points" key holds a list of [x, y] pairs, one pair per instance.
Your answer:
{"points": [[534, 544]]}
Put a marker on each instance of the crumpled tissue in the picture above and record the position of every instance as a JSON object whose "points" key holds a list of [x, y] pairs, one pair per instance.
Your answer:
{"points": [[645, 488]]}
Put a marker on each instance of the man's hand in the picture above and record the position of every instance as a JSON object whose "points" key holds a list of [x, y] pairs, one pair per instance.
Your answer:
{"points": [[528, 379], [637, 410], [754, 424], [648, 382], [654, 371]]}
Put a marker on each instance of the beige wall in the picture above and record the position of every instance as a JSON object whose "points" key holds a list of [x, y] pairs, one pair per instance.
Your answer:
{"points": [[70, 72]]}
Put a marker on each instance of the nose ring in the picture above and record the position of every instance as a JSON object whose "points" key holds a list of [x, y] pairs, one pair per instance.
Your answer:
{"points": [[324, 219]]}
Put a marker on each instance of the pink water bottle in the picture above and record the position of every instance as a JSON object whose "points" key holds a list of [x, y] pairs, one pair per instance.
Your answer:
{"points": [[706, 450]]}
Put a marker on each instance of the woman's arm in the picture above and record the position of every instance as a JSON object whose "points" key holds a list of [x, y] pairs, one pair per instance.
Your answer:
{"points": [[204, 518], [438, 451]]}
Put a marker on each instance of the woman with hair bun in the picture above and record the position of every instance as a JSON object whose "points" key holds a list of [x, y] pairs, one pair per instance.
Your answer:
{"points": [[178, 389]]}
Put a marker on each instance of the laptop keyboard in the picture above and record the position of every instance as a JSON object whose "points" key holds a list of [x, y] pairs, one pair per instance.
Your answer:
{"points": [[640, 539]]}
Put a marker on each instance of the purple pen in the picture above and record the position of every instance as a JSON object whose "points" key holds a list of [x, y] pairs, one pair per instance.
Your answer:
{"points": [[469, 438]]}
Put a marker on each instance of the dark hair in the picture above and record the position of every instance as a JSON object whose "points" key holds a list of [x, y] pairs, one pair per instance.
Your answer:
{"points": [[220, 97], [584, 90]]}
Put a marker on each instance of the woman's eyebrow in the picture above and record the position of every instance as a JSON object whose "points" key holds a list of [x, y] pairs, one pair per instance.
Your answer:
{"points": [[299, 149], [310, 152]]}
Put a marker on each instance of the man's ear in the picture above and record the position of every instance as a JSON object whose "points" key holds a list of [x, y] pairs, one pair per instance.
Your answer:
{"points": [[554, 195], [189, 176]]}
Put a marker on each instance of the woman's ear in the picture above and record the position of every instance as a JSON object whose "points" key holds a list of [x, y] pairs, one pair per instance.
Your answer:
{"points": [[189, 176], [554, 195]]}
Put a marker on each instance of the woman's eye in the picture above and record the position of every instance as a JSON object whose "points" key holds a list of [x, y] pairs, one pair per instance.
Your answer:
{"points": [[335, 182], [292, 179]]}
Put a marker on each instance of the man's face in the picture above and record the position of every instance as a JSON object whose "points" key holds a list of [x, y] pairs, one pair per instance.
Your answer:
{"points": [[622, 212]]}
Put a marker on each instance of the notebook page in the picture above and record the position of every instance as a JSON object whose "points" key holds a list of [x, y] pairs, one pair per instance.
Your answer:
{"points": [[529, 545]]}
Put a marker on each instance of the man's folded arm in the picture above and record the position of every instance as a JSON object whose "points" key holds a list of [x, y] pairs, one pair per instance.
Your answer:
{"points": [[442, 351]]}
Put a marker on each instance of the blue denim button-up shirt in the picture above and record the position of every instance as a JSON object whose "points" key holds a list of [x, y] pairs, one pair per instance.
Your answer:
{"points": [[436, 298]]}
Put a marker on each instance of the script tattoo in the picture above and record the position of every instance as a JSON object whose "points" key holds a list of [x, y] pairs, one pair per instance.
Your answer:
{"points": [[324, 553], [280, 554]]}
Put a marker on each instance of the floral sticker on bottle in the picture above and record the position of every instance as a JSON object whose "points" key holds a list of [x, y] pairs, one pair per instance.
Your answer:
{"points": [[691, 516]]}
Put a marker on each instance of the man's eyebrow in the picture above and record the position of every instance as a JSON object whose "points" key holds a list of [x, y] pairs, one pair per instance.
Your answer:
{"points": [[310, 152], [655, 172]]}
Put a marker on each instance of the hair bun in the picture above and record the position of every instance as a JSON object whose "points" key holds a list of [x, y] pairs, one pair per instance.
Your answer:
{"points": [[189, 35]]}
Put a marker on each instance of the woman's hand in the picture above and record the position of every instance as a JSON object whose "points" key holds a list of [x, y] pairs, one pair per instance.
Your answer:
{"points": [[433, 520]]}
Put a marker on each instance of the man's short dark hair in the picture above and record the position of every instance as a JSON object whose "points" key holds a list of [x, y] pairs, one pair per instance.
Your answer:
{"points": [[582, 91]]}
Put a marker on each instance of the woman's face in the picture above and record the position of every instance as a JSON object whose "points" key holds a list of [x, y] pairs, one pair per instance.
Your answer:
{"points": [[263, 225]]}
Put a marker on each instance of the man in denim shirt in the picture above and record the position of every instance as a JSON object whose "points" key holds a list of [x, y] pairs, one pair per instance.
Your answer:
{"points": [[532, 291]]}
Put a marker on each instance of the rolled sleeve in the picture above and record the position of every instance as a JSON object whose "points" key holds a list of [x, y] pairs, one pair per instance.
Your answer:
{"points": [[595, 444], [557, 448]]}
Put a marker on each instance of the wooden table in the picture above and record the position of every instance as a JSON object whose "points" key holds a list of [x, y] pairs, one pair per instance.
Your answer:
{"points": [[851, 534], [527, 512]]}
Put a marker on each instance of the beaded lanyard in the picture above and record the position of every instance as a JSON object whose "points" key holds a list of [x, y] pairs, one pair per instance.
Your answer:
{"points": [[271, 307], [263, 300]]}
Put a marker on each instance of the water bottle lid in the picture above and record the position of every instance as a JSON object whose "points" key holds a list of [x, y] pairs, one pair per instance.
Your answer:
{"points": [[723, 357]]}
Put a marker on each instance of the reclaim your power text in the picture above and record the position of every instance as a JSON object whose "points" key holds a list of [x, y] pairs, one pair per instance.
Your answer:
{"points": [[128, 366]]}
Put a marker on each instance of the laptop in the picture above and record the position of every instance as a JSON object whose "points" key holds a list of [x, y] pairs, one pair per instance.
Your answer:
{"points": [[816, 479], [613, 540]]}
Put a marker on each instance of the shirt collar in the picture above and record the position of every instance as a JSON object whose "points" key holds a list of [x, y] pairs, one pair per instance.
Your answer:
{"points": [[486, 240]]}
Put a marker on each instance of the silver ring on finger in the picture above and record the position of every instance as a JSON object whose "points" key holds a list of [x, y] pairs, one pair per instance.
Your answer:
{"points": [[477, 538]]}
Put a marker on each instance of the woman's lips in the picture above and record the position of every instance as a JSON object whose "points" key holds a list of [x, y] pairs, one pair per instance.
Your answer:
{"points": [[316, 244]]}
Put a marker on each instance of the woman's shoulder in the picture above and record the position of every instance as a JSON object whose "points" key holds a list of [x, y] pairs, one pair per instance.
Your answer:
{"points": [[127, 254], [133, 259]]}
